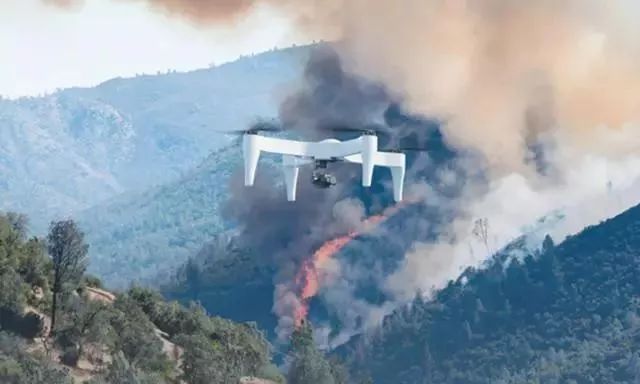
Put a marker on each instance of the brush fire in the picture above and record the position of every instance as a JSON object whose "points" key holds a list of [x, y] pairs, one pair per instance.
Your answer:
{"points": [[309, 278]]}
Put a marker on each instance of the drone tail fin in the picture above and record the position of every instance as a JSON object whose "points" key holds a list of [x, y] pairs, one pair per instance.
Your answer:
{"points": [[251, 156]]}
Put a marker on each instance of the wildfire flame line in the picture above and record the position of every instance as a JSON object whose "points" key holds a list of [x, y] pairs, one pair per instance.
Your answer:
{"points": [[308, 278]]}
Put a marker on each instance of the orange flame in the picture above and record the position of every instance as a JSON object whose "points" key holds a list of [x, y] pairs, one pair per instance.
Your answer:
{"points": [[308, 277]]}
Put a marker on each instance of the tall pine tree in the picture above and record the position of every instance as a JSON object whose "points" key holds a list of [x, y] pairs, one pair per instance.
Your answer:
{"points": [[68, 252]]}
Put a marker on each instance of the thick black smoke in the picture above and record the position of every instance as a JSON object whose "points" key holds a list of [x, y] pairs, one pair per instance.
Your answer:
{"points": [[287, 233], [330, 97]]}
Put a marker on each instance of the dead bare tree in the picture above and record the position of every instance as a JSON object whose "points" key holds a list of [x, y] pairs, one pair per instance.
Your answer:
{"points": [[43, 336], [481, 231]]}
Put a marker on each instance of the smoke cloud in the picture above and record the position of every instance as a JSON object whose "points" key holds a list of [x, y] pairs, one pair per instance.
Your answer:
{"points": [[312, 17], [63, 3], [506, 74], [546, 93], [510, 79], [539, 104], [289, 233], [597, 189], [202, 12]]}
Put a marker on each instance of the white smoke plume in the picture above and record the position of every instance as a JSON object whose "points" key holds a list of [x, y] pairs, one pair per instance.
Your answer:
{"points": [[508, 76], [547, 92], [505, 74], [514, 81], [596, 189]]}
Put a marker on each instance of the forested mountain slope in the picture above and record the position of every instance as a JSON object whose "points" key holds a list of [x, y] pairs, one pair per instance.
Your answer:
{"points": [[142, 236], [154, 231], [567, 314]]}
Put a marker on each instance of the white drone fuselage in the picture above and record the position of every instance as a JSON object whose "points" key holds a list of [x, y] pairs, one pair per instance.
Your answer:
{"points": [[362, 150]]}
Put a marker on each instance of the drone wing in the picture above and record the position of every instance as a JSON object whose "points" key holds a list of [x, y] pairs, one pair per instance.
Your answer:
{"points": [[254, 144]]}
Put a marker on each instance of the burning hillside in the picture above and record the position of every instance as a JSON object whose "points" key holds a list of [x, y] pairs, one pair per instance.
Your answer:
{"points": [[311, 277]]}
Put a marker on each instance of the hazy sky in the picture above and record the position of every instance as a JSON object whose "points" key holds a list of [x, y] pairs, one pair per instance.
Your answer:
{"points": [[43, 48]]}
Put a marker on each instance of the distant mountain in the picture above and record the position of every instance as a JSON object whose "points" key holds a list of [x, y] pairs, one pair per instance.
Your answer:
{"points": [[566, 314], [156, 230], [71, 150], [141, 236]]}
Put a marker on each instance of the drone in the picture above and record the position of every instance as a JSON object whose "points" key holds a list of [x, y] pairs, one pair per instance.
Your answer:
{"points": [[296, 154]]}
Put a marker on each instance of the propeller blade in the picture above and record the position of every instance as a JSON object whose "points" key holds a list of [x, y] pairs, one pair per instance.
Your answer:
{"points": [[257, 127], [344, 129], [235, 133], [265, 126], [402, 149], [372, 129]]}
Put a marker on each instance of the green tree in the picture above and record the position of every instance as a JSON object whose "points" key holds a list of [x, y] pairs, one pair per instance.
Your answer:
{"points": [[308, 365], [11, 292], [224, 351], [69, 256], [193, 278], [136, 338], [12, 301], [88, 322], [339, 372], [203, 362], [33, 264], [547, 244], [19, 367], [19, 223], [120, 371]]}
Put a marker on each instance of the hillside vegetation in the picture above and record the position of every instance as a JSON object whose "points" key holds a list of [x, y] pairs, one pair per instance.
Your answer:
{"points": [[58, 326], [143, 237], [228, 280], [567, 314], [132, 337], [154, 231]]}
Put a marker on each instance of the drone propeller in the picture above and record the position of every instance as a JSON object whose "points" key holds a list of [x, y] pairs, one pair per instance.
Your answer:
{"points": [[262, 126], [367, 130], [266, 126], [406, 149]]}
